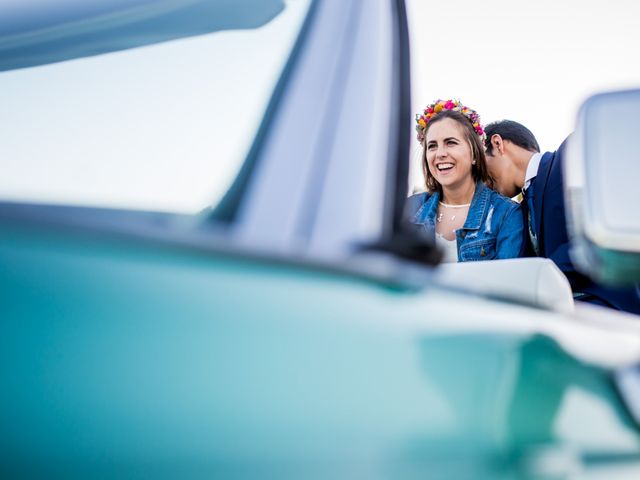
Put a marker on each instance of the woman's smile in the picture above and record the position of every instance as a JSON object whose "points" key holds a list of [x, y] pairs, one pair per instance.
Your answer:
{"points": [[448, 154], [445, 168]]}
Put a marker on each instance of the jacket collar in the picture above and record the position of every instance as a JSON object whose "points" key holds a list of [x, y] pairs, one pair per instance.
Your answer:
{"points": [[478, 207], [479, 204]]}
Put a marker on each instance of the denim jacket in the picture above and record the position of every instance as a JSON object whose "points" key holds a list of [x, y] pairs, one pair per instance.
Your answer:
{"points": [[493, 228]]}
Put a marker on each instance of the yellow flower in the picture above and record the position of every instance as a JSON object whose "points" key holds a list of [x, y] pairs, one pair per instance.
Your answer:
{"points": [[422, 123], [438, 108]]}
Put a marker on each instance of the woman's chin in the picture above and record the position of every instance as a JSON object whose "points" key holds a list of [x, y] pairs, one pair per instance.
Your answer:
{"points": [[448, 178], [453, 180]]}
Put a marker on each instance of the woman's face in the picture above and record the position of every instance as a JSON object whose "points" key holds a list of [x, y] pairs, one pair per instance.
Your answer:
{"points": [[448, 153]]}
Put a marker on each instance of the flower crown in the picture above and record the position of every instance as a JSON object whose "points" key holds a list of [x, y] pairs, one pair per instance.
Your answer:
{"points": [[441, 105]]}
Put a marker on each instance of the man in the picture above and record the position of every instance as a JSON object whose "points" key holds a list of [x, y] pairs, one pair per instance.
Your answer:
{"points": [[515, 162]]}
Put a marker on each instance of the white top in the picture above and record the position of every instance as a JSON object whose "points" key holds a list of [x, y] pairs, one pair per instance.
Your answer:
{"points": [[449, 247], [532, 169]]}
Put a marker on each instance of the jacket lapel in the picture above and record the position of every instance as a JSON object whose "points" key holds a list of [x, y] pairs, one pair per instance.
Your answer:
{"points": [[539, 185], [479, 204]]}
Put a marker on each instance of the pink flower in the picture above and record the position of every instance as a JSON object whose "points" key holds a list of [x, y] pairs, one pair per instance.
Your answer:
{"points": [[441, 105]]}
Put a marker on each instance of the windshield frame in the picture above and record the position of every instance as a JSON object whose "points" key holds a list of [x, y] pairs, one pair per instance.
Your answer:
{"points": [[226, 210]]}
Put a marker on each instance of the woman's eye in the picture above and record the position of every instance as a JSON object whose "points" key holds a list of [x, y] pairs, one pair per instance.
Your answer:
{"points": [[431, 147]]}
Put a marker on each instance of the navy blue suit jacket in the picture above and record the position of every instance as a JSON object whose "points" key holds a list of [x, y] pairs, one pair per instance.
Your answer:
{"points": [[553, 241]]}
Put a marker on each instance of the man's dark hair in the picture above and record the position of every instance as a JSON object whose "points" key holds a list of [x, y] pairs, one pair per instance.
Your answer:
{"points": [[515, 132]]}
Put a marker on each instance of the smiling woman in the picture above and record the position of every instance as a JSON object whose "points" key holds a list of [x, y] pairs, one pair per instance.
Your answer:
{"points": [[136, 105], [469, 220]]}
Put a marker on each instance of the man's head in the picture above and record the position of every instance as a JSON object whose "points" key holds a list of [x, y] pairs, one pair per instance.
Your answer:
{"points": [[509, 146]]}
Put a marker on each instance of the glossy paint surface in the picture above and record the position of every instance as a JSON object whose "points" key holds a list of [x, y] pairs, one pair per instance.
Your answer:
{"points": [[125, 358]]}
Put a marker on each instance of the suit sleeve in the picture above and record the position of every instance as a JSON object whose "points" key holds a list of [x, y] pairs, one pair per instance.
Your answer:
{"points": [[556, 238], [555, 227]]}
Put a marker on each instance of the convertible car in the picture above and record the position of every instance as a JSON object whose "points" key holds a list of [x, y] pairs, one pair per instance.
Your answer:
{"points": [[204, 270]]}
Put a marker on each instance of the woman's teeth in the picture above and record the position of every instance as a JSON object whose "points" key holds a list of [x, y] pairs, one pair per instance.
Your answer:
{"points": [[444, 166]]}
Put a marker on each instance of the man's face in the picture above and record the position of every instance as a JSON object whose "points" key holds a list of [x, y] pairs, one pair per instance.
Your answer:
{"points": [[503, 172]]}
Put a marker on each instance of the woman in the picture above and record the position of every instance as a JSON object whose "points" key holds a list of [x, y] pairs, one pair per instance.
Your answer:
{"points": [[468, 219]]}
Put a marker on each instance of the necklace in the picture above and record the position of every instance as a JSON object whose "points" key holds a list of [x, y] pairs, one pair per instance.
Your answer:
{"points": [[446, 205]]}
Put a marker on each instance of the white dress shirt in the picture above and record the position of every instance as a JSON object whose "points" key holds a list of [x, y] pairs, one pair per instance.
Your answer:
{"points": [[532, 170]]}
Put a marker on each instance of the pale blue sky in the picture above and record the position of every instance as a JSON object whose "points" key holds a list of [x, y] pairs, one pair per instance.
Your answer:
{"points": [[162, 127], [533, 62]]}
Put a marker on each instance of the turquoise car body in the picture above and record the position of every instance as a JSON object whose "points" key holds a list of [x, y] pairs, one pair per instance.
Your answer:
{"points": [[283, 333], [139, 358]]}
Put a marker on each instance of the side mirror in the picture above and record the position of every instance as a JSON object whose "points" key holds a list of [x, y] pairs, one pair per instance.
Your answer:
{"points": [[602, 184]]}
